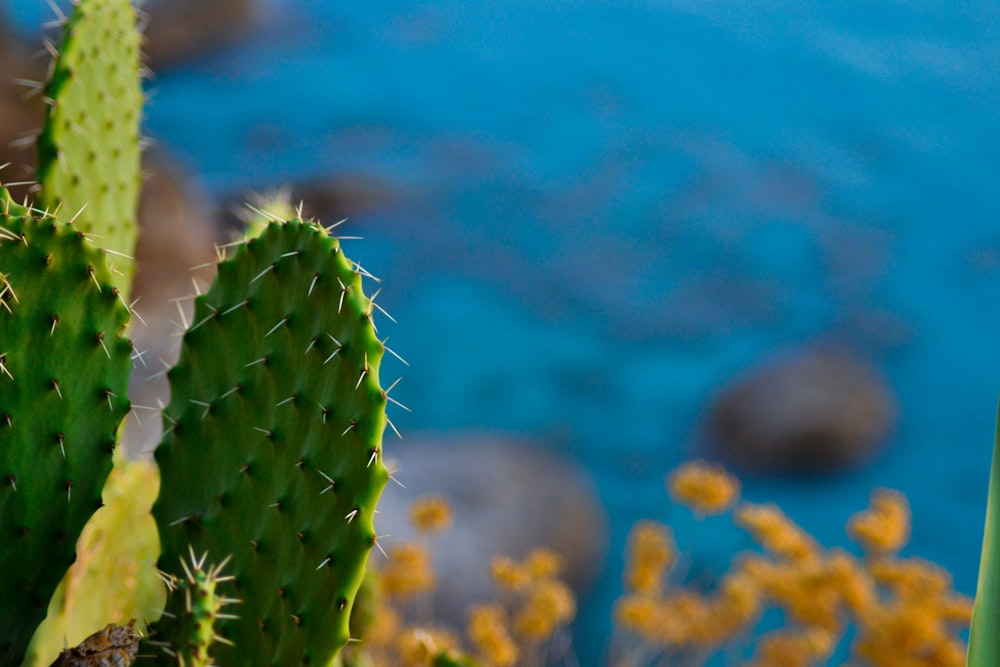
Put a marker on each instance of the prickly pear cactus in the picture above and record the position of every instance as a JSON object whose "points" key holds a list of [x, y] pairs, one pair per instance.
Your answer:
{"points": [[88, 150], [272, 447], [64, 367], [201, 605]]}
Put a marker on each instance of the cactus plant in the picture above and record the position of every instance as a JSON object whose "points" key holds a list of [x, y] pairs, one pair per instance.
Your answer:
{"points": [[272, 455], [114, 578], [984, 639], [201, 609], [64, 367], [89, 149], [272, 445]]}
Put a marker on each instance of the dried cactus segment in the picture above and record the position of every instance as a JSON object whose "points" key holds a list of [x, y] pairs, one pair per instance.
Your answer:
{"points": [[272, 445], [89, 149], [64, 367], [118, 546], [197, 607], [115, 645]]}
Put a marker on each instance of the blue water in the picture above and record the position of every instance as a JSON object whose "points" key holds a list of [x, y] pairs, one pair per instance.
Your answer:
{"points": [[603, 211]]}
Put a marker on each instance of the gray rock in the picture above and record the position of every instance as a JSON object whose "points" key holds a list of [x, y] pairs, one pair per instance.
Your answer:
{"points": [[508, 497], [815, 411]]}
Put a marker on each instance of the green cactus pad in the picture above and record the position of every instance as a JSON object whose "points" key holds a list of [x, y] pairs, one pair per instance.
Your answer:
{"points": [[88, 150], [272, 446], [64, 367]]}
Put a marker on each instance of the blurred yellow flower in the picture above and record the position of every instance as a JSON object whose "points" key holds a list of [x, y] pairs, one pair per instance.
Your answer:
{"points": [[408, 572], [431, 514], [704, 488], [487, 630], [885, 526]]}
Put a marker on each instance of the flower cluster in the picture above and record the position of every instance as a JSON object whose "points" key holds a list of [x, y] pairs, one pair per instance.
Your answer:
{"points": [[894, 612], [533, 606]]}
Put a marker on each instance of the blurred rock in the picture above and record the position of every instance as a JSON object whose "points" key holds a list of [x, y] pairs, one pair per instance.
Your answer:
{"points": [[178, 31], [177, 233], [20, 113], [814, 412], [508, 497]]}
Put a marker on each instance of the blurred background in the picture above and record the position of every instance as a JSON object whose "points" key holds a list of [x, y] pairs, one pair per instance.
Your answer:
{"points": [[619, 235]]}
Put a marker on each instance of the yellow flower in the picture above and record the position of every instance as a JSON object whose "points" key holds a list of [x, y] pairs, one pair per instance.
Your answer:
{"points": [[543, 564], [508, 575], [408, 572], [885, 526], [417, 647], [432, 514], [550, 605], [638, 614], [488, 632], [651, 552], [788, 648], [704, 488], [774, 531]]}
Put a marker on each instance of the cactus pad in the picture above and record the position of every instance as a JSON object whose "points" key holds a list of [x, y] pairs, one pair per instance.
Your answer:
{"points": [[88, 150], [64, 368], [272, 447]]}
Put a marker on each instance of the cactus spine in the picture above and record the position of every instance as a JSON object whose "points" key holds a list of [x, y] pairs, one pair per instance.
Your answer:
{"points": [[88, 150], [272, 445], [64, 366]]}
